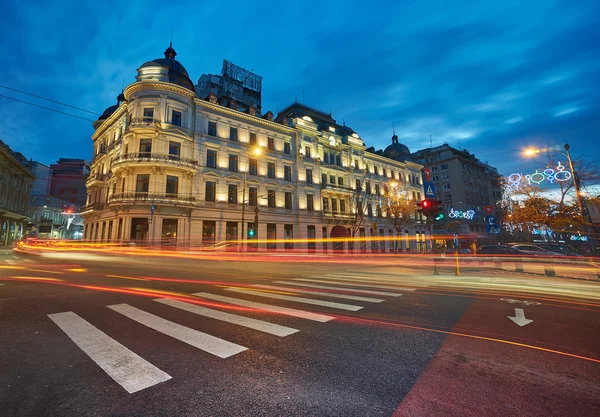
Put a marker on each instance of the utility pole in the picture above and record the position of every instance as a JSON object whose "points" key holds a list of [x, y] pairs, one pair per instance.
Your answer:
{"points": [[243, 209]]}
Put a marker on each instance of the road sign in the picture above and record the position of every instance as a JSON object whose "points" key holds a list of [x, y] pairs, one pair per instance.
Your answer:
{"points": [[429, 189], [490, 220], [488, 209], [427, 173], [493, 229]]}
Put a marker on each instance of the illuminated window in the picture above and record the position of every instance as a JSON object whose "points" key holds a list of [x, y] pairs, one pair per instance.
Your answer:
{"points": [[148, 114], [174, 150]]}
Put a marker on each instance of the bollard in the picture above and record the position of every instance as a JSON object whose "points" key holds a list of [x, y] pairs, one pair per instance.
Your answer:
{"points": [[435, 267], [549, 270], [519, 266]]}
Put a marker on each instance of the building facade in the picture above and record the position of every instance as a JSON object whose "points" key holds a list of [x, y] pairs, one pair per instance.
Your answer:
{"points": [[15, 188], [69, 177], [465, 185], [185, 164]]}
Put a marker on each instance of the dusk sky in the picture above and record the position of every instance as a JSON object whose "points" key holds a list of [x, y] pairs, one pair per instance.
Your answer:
{"points": [[496, 76]]}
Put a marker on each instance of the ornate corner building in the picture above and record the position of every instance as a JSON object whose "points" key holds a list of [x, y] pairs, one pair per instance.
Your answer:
{"points": [[184, 164]]}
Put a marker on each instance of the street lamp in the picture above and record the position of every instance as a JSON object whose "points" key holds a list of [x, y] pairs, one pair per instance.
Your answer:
{"points": [[256, 151], [533, 151]]}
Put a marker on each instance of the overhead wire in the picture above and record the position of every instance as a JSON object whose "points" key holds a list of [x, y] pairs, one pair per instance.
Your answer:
{"points": [[50, 100], [46, 108]]}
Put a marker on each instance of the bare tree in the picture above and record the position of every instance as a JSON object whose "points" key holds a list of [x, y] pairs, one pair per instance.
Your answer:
{"points": [[399, 208]]}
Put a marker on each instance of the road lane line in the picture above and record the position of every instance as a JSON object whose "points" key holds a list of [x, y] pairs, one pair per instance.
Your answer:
{"points": [[355, 283], [361, 291], [255, 324], [266, 307], [126, 368], [323, 293], [364, 278], [202, 341], [340, 306], [351, 284]]}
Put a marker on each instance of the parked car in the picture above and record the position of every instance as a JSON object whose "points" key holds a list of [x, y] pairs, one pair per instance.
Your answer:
{"points": [[533, 250], [497, 250], [562, 249]]}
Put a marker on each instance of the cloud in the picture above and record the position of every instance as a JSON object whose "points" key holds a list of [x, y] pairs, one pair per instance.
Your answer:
{"points": [[492, 75]]}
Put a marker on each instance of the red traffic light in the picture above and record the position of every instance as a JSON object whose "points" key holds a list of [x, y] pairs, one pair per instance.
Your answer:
{"points": [[425, 203]]}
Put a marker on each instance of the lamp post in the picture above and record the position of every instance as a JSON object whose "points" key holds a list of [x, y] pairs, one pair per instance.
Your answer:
{"points": [[256, 152], [567, 154]]}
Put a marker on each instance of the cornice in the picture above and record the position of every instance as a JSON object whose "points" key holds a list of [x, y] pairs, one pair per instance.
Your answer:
{"points": [[234, 113], [156, 85]]}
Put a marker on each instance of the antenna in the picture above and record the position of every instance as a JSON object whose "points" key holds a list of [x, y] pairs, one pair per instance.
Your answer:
{"points": [[393, 129], [430, 141], [171, 36]]}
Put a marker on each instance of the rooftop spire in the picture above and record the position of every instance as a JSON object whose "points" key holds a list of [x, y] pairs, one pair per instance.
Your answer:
{"points": [[170, 52]]}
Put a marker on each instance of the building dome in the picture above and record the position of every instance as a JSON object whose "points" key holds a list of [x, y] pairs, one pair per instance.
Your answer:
{"points": [[166, 69], [108, 112], [396, 150]]}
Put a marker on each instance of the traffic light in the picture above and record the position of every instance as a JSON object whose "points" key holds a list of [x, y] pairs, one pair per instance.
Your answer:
{"points": [[251, 233], [431, 209]]}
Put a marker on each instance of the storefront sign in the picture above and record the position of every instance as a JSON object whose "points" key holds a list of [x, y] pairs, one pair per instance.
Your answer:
{"points": [[457, 214], [580, 238]]}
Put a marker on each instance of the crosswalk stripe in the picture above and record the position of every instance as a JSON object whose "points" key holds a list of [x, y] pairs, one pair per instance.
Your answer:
{"points": [[266, 307], [10, 261], [361, 291], [363, 283], [125, 367], [323, 293], [363, 277], [340, 306], [203, 341], [255, 324]]}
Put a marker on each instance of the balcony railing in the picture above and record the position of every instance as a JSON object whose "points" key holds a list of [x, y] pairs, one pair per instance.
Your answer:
{"points": [[155, 157], [144, 122], [97, 206], [151, 198], [335, 187], [99, 177], [338, 215]]}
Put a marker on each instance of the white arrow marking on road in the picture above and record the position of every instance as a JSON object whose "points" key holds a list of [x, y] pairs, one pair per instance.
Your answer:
{"points": [[519, 317]]}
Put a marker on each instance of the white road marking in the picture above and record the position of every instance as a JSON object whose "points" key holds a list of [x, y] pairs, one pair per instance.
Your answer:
{"points": [[128, 369], [266, 307], [203, 341], [340, 306], [323, 293], [354, 283], [10, 261], [363, 278], [2, 284], [302, 284], [255, 324]]}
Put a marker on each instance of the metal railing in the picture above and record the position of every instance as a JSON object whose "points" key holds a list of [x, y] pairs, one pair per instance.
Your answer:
{"points": [[336, 187], [151, 198], [93, 206], [155, 157], [143, 122], [99, 177]]}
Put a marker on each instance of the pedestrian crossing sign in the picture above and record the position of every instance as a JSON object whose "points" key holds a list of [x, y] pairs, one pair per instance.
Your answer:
{"points": [[429, 189]]}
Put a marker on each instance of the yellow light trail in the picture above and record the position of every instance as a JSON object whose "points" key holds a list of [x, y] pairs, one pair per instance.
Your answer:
{"points": [[131, 278]]}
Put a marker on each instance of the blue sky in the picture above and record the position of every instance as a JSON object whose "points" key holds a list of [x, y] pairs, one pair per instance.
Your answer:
{"points": [[495, 77]]}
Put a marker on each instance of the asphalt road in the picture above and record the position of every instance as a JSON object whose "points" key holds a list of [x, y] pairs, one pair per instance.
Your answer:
{"points": [[123, 336]]}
